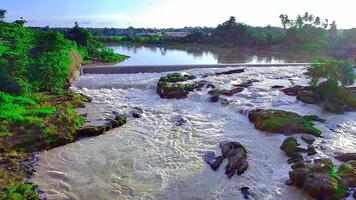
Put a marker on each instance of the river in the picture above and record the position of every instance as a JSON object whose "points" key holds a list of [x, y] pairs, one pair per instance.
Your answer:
{"points": [[152, 158], [146, 55]]}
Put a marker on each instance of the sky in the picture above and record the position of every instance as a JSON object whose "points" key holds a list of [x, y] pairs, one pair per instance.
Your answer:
{"points": [[173, 13]]}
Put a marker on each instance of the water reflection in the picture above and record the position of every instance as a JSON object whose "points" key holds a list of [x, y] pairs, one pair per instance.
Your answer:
{"points": [[148, 55]]}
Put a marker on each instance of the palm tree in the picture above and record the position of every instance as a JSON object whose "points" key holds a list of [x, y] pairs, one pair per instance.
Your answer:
{"points": [[299, 22], [284, 20], [2, 14], [317, 21], [326, 23]]}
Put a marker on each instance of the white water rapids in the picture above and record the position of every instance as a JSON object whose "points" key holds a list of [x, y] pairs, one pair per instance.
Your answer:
{"points": [[152, 158]]}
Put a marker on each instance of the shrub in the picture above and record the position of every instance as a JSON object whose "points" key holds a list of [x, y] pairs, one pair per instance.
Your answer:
{"points": [[20, 192]]}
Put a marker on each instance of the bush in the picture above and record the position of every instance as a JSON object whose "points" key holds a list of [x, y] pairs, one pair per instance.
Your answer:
{"points": [[339, 72], [329, 79], [20, 192]]}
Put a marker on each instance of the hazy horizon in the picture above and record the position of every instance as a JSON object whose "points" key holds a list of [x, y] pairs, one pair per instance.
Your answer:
{"points": [[172, 13]]}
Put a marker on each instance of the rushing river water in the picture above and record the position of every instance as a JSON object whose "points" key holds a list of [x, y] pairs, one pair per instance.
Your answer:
{"points": [[144, 55], [152, 158]]}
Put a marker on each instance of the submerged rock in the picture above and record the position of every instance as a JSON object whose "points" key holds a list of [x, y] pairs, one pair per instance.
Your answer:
{"points": [[225, 102], [246, 84], [245, 192], [277, 86], [279, 121], [234, 71], [137, 112], [181, 121], [311, 150], [209, 157], [214, 99]]}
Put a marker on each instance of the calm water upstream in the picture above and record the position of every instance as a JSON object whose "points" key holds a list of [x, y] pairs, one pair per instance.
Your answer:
{"points": [[144, 55]]}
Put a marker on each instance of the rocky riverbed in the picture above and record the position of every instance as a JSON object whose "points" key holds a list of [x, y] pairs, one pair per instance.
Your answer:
{"points": [[159, 153]]}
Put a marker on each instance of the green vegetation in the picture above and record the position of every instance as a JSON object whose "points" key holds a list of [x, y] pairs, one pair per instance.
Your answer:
{"points": [[37, 113], [238, 34], [329, 79], [176, 77], [280, 122], [91, 49], [20, 192]]}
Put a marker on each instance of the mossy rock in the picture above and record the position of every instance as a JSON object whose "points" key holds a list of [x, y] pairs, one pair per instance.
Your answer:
{"points": [[319, 180], [279, 121], [289, 145], [347, 172], [176, 77], [168, 86]]}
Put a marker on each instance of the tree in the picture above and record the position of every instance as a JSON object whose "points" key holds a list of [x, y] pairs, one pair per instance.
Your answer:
{"points": [[299, 22], [284, 20], [326, 23], [317, 21], [2, 14], [80, 35], [20, 21], [234, 33]]}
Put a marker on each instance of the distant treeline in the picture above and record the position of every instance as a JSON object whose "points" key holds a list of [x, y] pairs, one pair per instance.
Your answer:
{"points": [[305, 32]]}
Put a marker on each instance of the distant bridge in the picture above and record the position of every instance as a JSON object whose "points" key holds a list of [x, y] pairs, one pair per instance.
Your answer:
{"points": [[168, 68]]}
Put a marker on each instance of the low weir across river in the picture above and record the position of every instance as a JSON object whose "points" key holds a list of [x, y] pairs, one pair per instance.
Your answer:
{"points": [[168, 68]]}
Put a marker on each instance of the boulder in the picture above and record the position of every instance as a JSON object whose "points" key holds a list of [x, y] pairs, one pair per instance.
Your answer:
{"points": [[321, 186], [292, 91], [308, 96], [168, 86], [137, 112], [345, 157], [289, 145], [237, 158], [318, 179], [245, 192], [311, 150], [214, 99], [347, 172], [216, 164], [225, 102], [308, 139], [279, 121]]}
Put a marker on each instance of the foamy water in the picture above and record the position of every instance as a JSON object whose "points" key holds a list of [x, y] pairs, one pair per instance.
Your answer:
{"points": [[152, 158]]}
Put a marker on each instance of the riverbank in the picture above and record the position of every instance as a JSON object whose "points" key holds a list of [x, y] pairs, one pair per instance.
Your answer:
{"points": [[158, 156]]}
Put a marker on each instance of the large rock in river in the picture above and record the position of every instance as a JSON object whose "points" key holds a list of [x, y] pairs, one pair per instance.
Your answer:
{"points": [[279, 121], [168, 86], [319, 180]]}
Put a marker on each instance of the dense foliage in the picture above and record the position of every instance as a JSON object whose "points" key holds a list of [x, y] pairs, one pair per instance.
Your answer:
{"points": [[20, 192], [91, 49], [329, 79], [239, 34], [31, 60]]}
